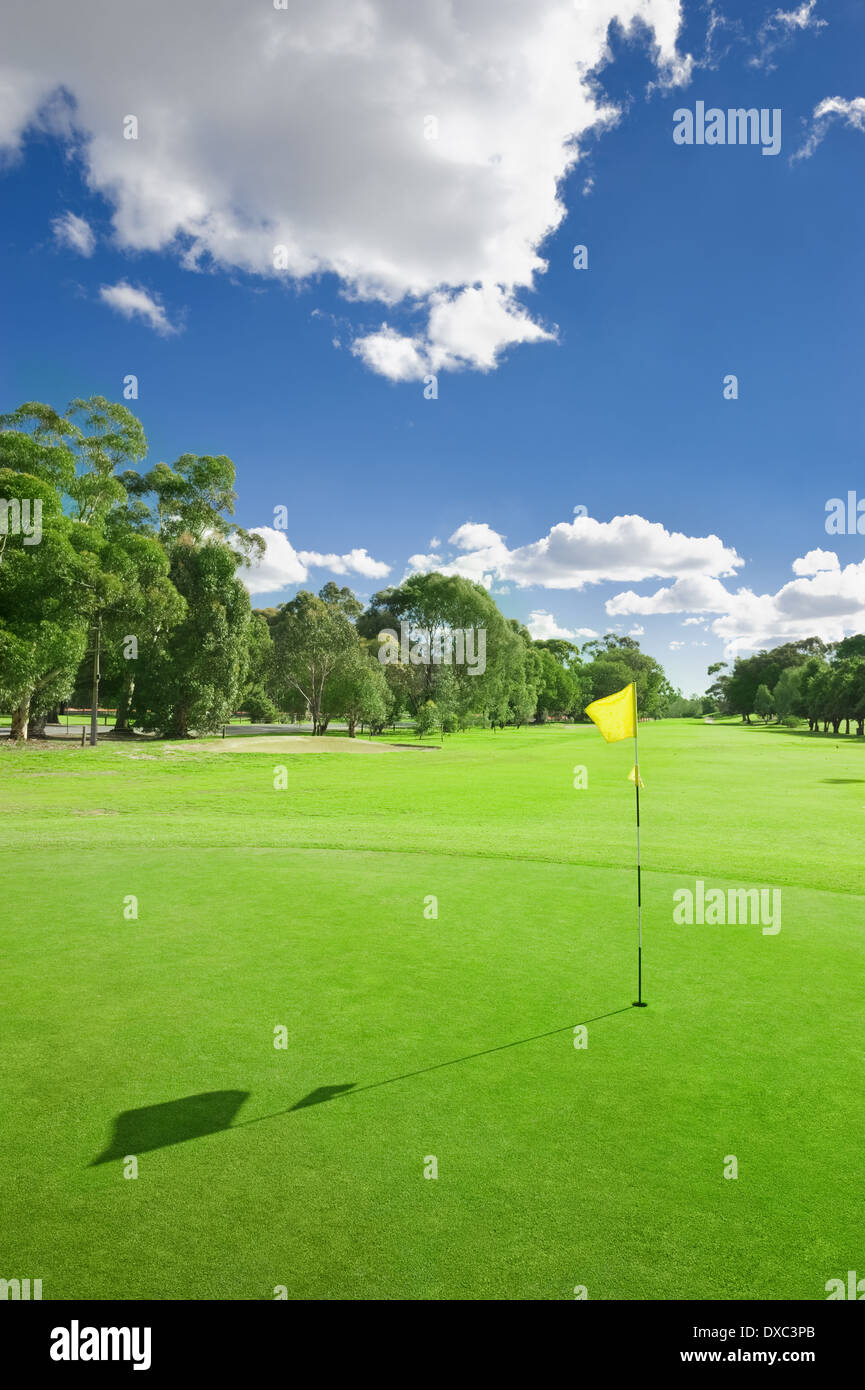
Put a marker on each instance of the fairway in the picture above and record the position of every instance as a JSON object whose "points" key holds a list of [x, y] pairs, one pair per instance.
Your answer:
{"points": [[410, 1036]]}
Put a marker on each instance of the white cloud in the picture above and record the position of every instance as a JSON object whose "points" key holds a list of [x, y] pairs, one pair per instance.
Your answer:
{"points": [[802, 18], [582, 552], [282, 565], [74, 232], [695, 594], [636, 631], [278, 567], [543, 626], [474, 536], [674, 646], [816, 561], [585, 551], [469, 329], [305, 129], [423, 564], [392, 355], [355, 562], [133, 302], [829, 605], [831, 109], [780, 27]]}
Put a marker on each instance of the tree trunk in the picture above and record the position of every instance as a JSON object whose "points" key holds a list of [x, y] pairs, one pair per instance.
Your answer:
{"points": [[846, 726], [21, 720], [121, 725], [860, 728], [180, 722], [37, 726], [352, 725]]}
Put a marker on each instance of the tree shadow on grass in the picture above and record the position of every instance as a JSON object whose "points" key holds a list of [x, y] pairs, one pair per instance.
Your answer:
{"points": [[816, 735], [842, 781], [193, 1117]]}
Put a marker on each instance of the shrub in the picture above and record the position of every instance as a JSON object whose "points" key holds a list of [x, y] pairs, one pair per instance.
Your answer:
{"points": [[259, 706]]}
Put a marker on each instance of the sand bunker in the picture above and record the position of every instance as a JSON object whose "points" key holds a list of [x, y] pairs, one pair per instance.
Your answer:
{"points": [[299, 743]]}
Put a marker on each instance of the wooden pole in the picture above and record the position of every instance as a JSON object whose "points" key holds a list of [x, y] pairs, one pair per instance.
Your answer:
{"points": [[94, 708]]}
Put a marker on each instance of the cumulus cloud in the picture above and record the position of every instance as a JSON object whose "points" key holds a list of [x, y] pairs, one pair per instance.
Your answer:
{"points": [[282, 565], [582, 552], [416, 153], [392, 355], [815, 561], [279, 566], [423, 564], [831, 109], [829, 604], [75, 233], [133, 302], [355, 562], [469, 329], [543, 626], [475, 535], [697, 594]]}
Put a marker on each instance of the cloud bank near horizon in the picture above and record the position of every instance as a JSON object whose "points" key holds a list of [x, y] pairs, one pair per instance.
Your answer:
{"points": [[824, 598]]}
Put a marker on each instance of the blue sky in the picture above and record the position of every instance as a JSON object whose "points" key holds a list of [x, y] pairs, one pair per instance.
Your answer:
{"points": [[703, 261]]}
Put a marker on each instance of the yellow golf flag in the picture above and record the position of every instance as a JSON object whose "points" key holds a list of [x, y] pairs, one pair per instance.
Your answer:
{"points": [[634, 776], [616, 715]]}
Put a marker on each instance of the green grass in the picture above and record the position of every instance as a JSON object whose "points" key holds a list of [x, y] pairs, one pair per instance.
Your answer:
{"points": [[304, 907]]}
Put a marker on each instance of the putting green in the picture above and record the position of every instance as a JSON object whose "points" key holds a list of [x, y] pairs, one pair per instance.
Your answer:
{"points": [[411, 1036]]}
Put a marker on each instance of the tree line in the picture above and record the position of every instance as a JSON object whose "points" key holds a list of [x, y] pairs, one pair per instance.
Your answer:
{"points": [[823, 683], [137, 577]]}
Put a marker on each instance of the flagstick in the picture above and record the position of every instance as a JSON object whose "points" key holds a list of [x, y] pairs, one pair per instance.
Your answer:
{"points": [[639, 1002]]}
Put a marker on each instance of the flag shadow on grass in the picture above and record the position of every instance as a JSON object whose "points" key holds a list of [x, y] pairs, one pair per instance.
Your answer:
{"points": [[172, 1122], [210, 1112], [325, 1093]]}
